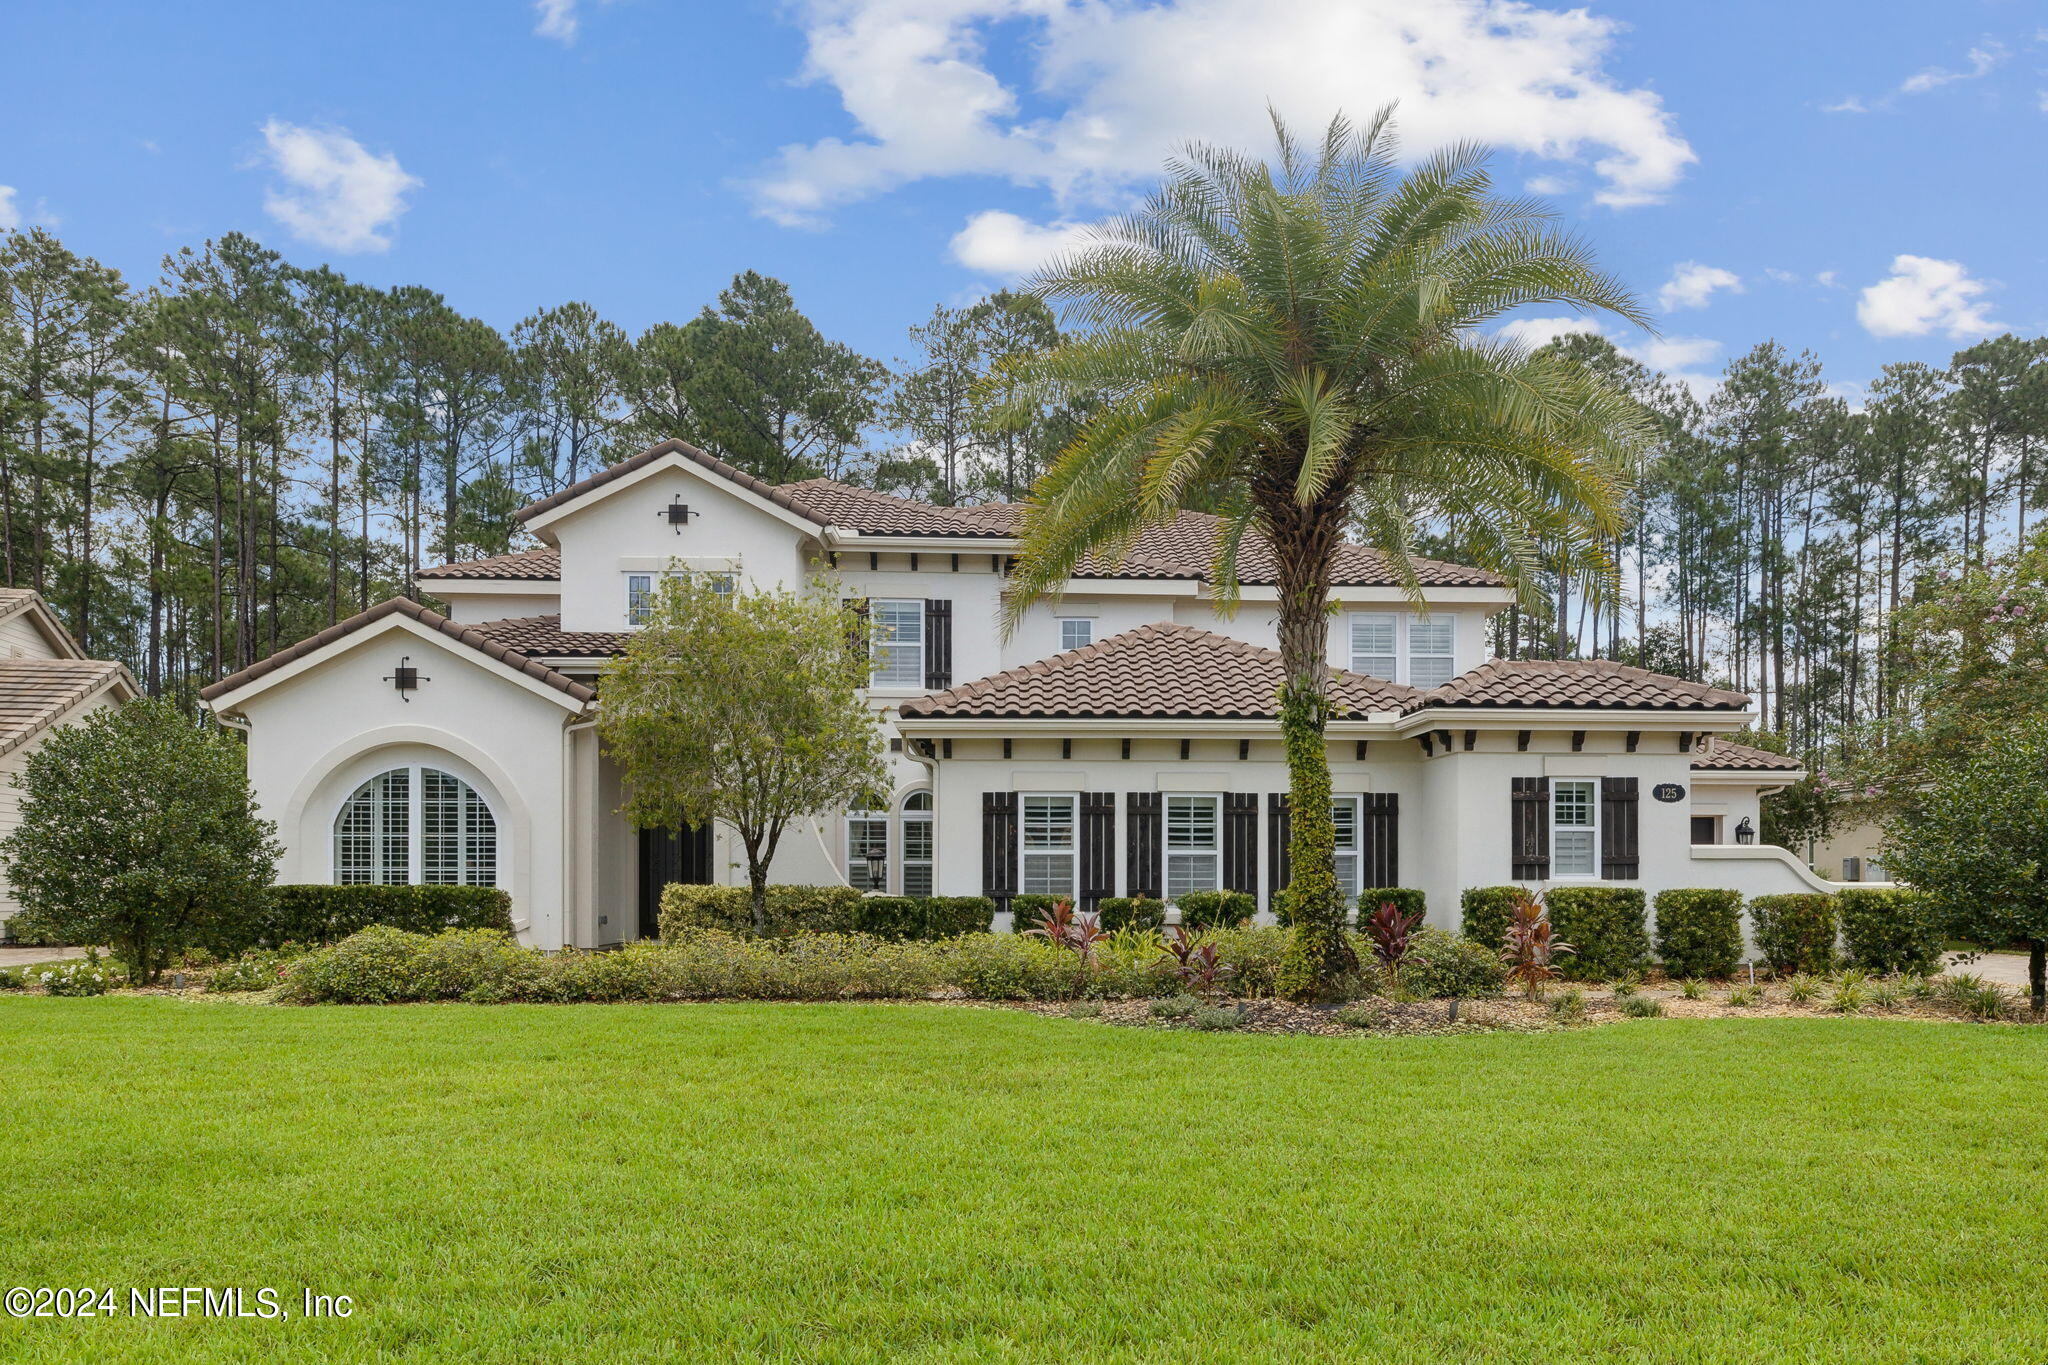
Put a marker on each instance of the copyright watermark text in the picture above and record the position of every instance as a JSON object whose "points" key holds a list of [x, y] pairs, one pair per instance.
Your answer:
{"points": [[173, 1301]]}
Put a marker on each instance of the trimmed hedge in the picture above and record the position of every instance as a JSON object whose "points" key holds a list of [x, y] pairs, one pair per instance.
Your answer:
{"points": [[319, 913], [1131, 912], [889, 916], [1484, 912], [946, 916], [1889, 929], [1699, 931], [1605, 925], [1795, 932], [791, 909], [1445, 966], [1409, 900], [1025, 911], [1217, 909]]}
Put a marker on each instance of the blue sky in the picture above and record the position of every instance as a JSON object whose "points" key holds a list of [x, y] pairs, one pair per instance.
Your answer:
{"points": [[1858, 178]]}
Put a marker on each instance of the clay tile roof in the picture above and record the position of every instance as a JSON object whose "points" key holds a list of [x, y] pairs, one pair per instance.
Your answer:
{"points": [[36, 692], [1725, 755], [403, 606], [542, 637], [1186, 546], [542, 564], [832, 503], [1161, 671], [779, 496], [1592, 683]]}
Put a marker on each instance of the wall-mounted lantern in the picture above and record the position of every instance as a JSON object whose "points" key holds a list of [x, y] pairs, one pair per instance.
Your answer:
{"points": [[678, 514], [406, 677], [1745, 833], [878, 866]]}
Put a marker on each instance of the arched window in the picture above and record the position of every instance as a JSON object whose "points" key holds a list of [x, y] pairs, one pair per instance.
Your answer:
{"points": [[416, 826], [917, 844]]}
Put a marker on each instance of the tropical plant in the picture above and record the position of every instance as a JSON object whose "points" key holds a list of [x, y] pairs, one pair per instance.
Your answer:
{"points": [[1528, 946], [1080, 934], [1299, 348], [1195, 962], [1389, 931]]}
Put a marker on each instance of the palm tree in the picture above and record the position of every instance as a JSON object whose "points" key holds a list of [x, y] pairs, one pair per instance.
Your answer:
{"points": [[1296, 348]]}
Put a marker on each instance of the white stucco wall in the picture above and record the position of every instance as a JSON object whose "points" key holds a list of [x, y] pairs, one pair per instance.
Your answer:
{"points": [[472, 606]]}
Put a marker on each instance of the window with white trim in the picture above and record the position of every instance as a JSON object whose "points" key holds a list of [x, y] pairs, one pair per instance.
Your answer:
{"points": [[1574, 827], [1194, 853], [1051, 828], [1344, 819], [1076, 632], [896, 626], [642, 588], [917, 844], [867, 831], [415, 826], [1405, 647]]}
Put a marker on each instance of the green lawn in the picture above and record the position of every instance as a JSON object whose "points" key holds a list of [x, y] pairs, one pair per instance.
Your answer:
{"points": [[811, 1182]]}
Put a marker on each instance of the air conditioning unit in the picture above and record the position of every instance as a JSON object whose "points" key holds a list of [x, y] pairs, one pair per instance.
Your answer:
{"points": [[1852, 869]]}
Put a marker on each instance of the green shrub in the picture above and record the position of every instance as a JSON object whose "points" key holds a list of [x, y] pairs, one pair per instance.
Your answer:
{"points": [[1409, 900], [1085, 1009], [1025, 911], [1642, 1007], [1363, 1014], [1447, 966], [1803, 989], [790, 910], [1742, 997], [256, 970], [319, 913], [1253, 952], [1889, 929], [13, 978], [1484, 912], [890, 916], [1604, 924], [1795, 932], [1570, 1007], [1131, 912], [1012, 967], [1216, 1017], [75, 976], [1699, 931], [373, 966], [946, 916], [1174, 1007], [1217, 909]]}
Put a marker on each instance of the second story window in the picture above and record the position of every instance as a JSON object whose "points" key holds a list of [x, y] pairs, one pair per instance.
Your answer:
{"points": [[641, 589], [897, 624], [1404, 647], [1076, 632]]}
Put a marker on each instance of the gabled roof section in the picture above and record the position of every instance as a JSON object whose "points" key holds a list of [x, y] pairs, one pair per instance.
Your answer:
{"points": [[433, 620], [831, 503], [1593, 684], [36, 693], [1163, 671], [542, 637], [1186, 547], [16, 601], [781, 497], [1725, 755], [542, 564]]}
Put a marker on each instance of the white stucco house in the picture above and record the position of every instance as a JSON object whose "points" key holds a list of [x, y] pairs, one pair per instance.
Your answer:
{"points": [[1120, 740]]}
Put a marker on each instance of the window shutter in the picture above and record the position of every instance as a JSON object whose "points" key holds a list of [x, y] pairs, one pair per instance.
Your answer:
{"points": [[1619, 859], [938, 644], [857, 630], [1529, 829], [1279, 829], [999, 847], [1379, 835], [1144, 867], [1098, 847], [1241, 842]]}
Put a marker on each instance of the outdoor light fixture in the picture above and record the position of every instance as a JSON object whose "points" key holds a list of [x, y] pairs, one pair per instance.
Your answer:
{"points": [[406, 678], [678, 514], [878, 862], [1745, 833]]}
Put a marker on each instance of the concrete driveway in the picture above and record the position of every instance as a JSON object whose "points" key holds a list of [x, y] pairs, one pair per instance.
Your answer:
{"points": [[22, 957], [2006, 969]]}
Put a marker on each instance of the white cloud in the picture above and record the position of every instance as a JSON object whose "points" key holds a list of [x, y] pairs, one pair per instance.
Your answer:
{"points": [[1781, 276], [1983, 58], [1536, 332], [999, 243], [10, 212], [2044, 101], [1679, 358], [1826, 279], [558, 19], [1924, 295], [1847, 105], [1692, 284], [336, 193], [1548, 184], [1108, 91]]}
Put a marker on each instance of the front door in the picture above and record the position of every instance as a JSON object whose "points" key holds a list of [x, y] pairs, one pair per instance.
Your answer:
{"points": [[670, 855]]}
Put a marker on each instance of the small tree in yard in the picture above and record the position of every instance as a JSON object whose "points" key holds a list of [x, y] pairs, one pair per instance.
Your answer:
{"points": [[138, 830], [742, 706], [1976, 843]]}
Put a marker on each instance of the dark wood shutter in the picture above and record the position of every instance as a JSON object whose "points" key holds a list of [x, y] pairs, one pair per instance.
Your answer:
{"points": [[938, 644], [668, 856], [1279, 829], [1144, 863], [858, 634], [1379, 838], [1529, 829], [1241, 842], [1619, 859], [1098, 847], [999, 847]]}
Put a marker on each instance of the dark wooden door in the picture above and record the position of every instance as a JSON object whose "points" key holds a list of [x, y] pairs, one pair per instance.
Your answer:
{"points": [[1703, 831], [670, 855]]}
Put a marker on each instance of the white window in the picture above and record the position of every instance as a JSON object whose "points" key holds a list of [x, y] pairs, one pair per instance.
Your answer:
{"points": [[415, 826], [1574, 830], [1194, 855], [1344, 816], [867, 831], [1050, 829], [641, 590], [1421, 651], [917, 844], [1076, 632], [897, 626]]}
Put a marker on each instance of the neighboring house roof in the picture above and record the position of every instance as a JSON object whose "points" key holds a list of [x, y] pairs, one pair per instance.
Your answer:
{"points": [[542, 637], [1725, 755], [1580, 683], [16, 601], [35, 693], [542, 565], [433, 620], [1160, 671]]}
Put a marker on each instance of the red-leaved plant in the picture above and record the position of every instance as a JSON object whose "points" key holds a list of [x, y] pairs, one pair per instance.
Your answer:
{"points": [[1076, 933], [1527, 946], [1390, 931], [1195, 962]]}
